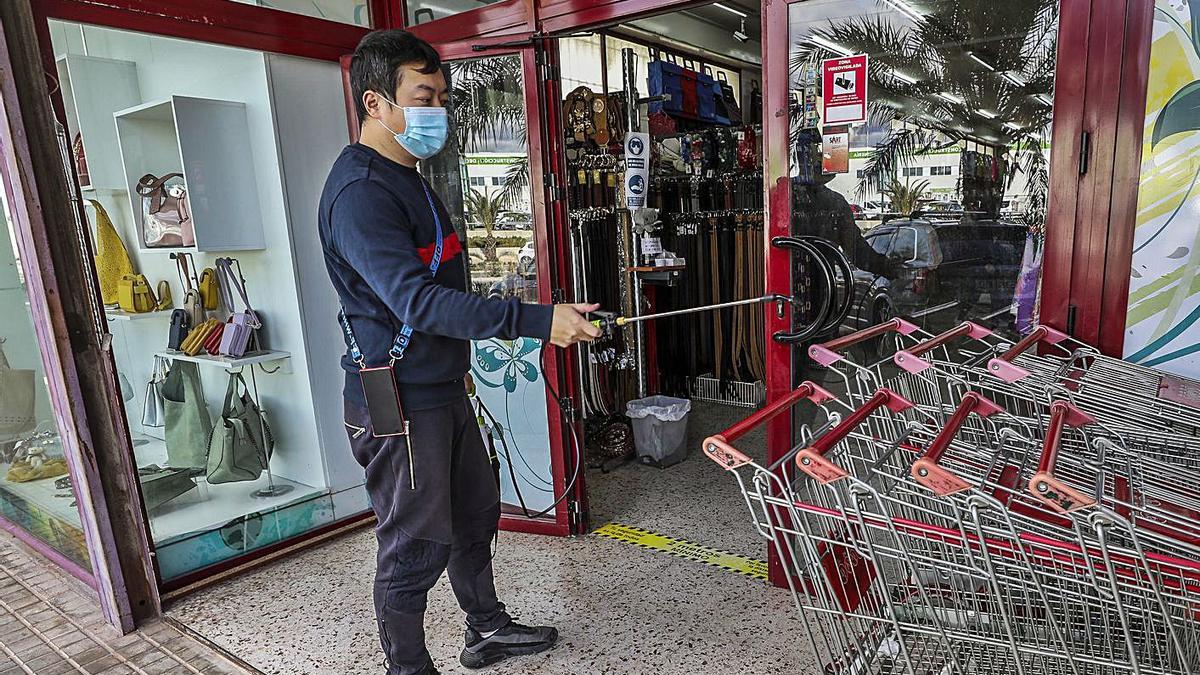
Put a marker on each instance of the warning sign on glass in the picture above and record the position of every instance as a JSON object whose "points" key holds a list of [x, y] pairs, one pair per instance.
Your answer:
{"points": [[844, 89]]}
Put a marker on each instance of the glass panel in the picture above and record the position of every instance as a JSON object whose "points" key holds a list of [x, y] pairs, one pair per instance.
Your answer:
{"points": [[424, 11], [484, 181], [35, 491], [1164, 292], [249, 137], [355, 12], [948, 145]]}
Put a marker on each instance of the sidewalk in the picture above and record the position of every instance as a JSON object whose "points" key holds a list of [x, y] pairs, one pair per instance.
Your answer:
{"points": [[49, 626]]}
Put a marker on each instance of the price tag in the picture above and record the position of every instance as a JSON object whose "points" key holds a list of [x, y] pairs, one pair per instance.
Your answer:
{"points": [[651, 246]]}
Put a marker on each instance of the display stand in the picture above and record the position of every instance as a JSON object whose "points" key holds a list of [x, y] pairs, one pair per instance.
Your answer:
{"points": [[237, 365]]}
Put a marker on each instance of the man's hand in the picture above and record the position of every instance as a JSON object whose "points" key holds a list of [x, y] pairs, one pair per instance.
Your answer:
{"points": [[570, 326]]}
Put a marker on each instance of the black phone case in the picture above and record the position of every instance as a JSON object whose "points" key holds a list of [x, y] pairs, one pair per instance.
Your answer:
{"points": [[383, 402]]}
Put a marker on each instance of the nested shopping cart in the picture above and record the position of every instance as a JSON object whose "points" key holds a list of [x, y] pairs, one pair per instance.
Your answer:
{"points": [[921, 547]]}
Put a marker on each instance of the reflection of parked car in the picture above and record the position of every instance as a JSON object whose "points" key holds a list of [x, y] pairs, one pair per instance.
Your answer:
{"points": [[945, 272], [874, 210], [857, 211], [521, 286], [514, 221]]}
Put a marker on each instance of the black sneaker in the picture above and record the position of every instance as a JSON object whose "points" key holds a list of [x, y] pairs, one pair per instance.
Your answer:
{"points": [[512, 640]]}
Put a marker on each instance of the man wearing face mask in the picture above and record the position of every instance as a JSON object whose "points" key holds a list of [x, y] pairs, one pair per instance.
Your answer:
{"points": [[399, 271]]}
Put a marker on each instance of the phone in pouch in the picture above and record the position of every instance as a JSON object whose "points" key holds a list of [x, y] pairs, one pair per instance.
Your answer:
{"points": [[383, 402]]}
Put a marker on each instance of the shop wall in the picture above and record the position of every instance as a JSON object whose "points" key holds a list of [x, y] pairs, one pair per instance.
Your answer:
{"points": [[1162, 328], [165, 67]]}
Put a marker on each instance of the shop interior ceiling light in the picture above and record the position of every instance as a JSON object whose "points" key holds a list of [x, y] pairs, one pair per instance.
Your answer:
{"points": [[1013, 78], [950, 97], [731, 10], [981, 62], [903, 77], [831, 46], [905, 9], [988, 114]]}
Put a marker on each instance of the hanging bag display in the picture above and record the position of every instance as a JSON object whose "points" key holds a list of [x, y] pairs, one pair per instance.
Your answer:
{"points": [[665, 80], [166, 216], [241, 442], [707, 92], [17, 397], [690, 85], [112, 260], [134, 295], [186, 418], [152, 408], [733, 109], [239, 333]]}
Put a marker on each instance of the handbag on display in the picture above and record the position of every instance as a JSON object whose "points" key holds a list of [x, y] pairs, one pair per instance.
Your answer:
{"points": [[212, 343], [152, 408], [241, 442], [730, 97], [239, 335], [186, 418], [756, 103], [112, 260], [747, 151], [665, 80], [181, 325], [690, 84], [192, 302], [160, 485], [195, 339], [707, 92], [134, 295], [81, 169], [17, 397], [210, 296], [166, 216], [165, 301]]}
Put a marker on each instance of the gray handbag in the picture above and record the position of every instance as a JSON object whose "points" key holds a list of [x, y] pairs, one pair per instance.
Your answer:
{"points": [[186, 418], [17, 397], [153, 415], [241, 443]]}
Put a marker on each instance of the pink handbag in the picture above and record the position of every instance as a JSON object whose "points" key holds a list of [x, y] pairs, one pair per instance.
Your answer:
{"points": [[166, 216], [238, 336]]}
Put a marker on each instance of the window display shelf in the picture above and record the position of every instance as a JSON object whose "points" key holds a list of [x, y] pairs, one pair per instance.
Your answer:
{"points": [[93, 89], [208, 141], [122, 315], [226, 362]]}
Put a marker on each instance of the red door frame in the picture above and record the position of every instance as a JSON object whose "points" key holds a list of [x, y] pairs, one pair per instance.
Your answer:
{"points": [[1076, 243]]}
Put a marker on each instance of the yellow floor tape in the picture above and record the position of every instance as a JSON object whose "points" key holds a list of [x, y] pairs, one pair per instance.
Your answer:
{"points": [[749, 567]]}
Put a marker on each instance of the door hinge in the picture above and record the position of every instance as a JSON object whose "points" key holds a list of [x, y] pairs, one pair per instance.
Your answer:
{"points": [[1085, 152], [1071, 310]]}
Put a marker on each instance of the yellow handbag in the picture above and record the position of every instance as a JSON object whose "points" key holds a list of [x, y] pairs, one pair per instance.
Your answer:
{"points": [[112, 260], [210, 295], [165, 301], [134, 294], [195, 339]]}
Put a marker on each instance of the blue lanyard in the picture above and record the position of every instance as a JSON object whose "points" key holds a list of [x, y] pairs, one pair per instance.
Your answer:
{"points": [[400, 344]]}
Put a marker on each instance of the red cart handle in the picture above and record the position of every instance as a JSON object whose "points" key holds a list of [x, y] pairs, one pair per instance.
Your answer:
{"points": [[926, 470], [718, 447], [1002, 366], [1044, 485], [827, 354], [812, 460], [909, 359]]}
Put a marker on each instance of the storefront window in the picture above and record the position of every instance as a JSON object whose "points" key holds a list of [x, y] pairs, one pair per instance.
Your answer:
{"points": [[920, 146], [198, 164], [356, 12], [1164, 290], [36, 493], [485, 181], [422, 11]]}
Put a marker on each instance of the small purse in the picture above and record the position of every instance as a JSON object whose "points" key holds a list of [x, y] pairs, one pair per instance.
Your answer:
{"points": [[166, 216], [165, 301], [181, 325], [152, 408], [212, 343], [239, 335], [210, 296], [195, 339], [192, 303], [134, 294]]}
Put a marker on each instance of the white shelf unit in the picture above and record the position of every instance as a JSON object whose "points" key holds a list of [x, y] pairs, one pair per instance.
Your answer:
{"points": [[93, 89], [208, 141], [226, 362]]}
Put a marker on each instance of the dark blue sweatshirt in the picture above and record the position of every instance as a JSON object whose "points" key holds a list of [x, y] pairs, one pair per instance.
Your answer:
{"points": [[377, 231]]}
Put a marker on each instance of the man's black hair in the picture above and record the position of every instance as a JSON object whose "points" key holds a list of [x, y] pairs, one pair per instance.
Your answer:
{"points": [[378, 59]]}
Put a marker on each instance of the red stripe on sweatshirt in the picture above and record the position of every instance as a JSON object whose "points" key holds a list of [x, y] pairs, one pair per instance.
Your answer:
{"points": [[451, 247]]}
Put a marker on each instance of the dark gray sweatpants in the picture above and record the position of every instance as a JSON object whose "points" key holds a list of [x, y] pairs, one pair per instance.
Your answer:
{"points": [[445, 523]]}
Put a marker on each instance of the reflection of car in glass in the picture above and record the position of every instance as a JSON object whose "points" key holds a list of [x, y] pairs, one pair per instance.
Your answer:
{"points": [[521, 286], [943, 272], [514, 221], [874, 210], [857, 211]]}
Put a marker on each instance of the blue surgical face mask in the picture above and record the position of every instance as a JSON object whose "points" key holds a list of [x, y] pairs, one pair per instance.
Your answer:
{"points": [[425, 130]]}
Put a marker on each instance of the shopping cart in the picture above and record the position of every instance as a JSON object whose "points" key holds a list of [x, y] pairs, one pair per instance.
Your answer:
{"points": [[937, 551]]}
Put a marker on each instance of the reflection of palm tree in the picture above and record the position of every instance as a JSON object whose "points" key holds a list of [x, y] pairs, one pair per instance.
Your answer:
{"points": [[930, 87], [485, 208], [905, 198], [488, 100]]}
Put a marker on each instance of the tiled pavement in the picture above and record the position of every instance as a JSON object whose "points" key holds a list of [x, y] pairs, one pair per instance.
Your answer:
{"points": [[50, 625]]}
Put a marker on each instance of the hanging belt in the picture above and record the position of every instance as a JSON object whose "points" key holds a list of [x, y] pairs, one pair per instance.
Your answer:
{"points": [[400, 344]]}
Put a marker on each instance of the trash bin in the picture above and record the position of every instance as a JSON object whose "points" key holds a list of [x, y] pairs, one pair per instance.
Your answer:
{"points": [[659, 429]]}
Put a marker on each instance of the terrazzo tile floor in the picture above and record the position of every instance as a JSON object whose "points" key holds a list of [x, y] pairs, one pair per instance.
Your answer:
{"points": [[620, 609]]}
